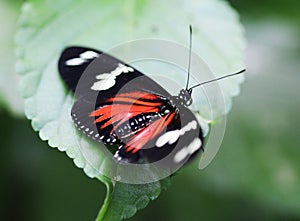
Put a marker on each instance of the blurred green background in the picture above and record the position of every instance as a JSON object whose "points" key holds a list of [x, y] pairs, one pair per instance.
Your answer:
{"points": [[255, 176]]}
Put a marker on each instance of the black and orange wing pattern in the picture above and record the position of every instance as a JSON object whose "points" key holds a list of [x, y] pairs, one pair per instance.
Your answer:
{"points": [[127, 111]]}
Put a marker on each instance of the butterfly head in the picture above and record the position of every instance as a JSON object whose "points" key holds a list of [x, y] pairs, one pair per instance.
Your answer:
{"points": [[185, 97]]}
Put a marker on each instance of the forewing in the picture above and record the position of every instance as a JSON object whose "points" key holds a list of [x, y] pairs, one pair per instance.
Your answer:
{"points": [[99, 81], [72, 63], [94, 75]]}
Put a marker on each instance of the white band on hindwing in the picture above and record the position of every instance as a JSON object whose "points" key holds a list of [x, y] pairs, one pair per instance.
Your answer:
{"points": [[171, 137], [188, 150]]}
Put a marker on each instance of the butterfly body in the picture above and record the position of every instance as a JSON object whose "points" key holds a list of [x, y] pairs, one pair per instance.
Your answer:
{"points": [[138, 120]]}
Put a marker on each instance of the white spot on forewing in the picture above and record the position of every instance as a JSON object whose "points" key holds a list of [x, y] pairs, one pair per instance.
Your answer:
{"points": [[102, 76], [83, 57], [188, 150], [172, 136], [75, 61], [103, 85], [107, 80], [89, 55]]}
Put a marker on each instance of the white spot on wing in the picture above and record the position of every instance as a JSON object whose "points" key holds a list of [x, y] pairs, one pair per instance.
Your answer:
{"points": [[107, 80], [103, 85], [102, 76], [83, 57], [89, 55], [172, 136], [169, 137], [188, 150], [75, 61]]}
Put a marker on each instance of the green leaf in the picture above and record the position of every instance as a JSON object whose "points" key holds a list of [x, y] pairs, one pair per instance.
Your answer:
{"points": [[127, 199], [9, 93], [46, 27]]}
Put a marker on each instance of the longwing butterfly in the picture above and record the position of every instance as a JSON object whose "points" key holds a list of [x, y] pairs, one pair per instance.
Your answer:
{"points": [[137, 119]]}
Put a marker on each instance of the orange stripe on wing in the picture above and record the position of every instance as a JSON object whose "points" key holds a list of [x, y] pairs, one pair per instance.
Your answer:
{"points": [[136, 97], [144, 136]]}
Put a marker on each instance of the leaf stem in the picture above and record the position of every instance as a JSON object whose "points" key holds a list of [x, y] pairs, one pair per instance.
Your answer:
{"points": [[109, 190]]}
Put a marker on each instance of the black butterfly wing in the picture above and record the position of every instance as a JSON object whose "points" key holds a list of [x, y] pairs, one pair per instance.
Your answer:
{"points": [[96, 78], [72, 63], [85, 79], [179, 143], [118, 105]]}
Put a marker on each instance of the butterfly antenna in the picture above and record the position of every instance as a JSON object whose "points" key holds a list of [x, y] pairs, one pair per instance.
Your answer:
{"points": [[216, 79], [190, 55]]}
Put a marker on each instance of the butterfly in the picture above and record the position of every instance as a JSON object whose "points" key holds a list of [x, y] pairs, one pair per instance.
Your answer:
{"points": [[117, 105], [127, 111]]}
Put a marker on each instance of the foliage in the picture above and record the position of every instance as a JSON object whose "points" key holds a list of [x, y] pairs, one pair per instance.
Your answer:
{"points": [[45, 28]]}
